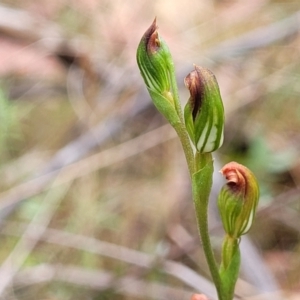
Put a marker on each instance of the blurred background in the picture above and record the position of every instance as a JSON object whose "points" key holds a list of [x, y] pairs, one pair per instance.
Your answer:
{"points": [[95, 198]]}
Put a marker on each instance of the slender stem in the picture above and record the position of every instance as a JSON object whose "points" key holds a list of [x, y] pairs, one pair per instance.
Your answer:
{"points": [[229, 270], [175, 93], [187, 148], [180, 127], [229, 248], [195, 164], [201, 197]]}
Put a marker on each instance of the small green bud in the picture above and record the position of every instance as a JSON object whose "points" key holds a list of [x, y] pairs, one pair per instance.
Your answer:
{"points": [[238, 199], [204, 111], [153, 58], [155, 63]]}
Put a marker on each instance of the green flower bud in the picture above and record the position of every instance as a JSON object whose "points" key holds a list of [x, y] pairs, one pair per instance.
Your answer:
{"points": [[238, 199], [153, 58], [204, 111], [155, 64]]}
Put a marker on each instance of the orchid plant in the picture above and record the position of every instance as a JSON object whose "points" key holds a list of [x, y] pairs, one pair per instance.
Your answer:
{"points": [[200, 127]]}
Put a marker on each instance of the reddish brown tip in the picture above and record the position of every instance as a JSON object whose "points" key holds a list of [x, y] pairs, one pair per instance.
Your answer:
{"points": [[151, 38], [236, 175], [194, 82]]}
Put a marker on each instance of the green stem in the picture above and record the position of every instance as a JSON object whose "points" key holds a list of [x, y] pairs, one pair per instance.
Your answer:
{"points": [[202, 182], [187, 148], [229, 248], [175, 93], [229, 270], [180, 127]]}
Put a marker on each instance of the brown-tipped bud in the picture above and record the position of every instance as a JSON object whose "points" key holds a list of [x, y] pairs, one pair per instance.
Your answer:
{"points": [[154, 58], [156, 66], [238, 199], [204, 112]]}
